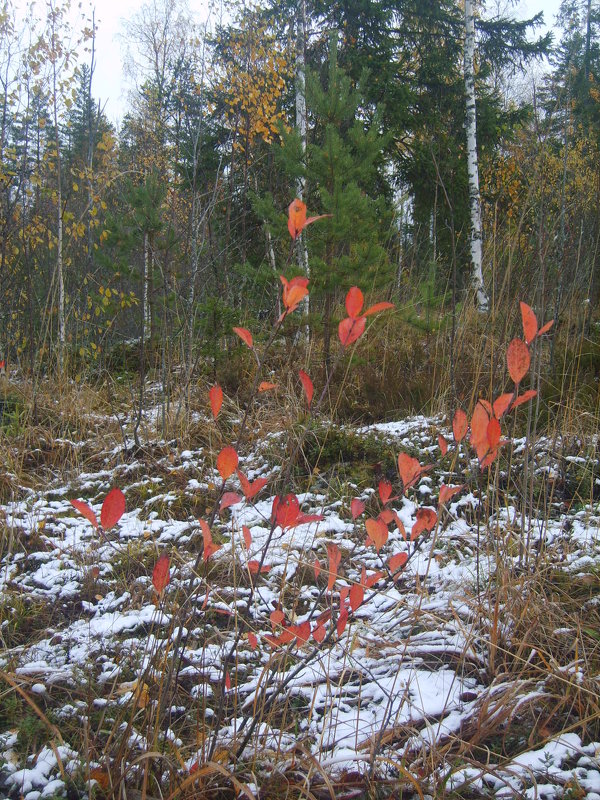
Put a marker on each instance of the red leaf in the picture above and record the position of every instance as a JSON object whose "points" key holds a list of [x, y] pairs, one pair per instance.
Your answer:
{"points": [[378, 532], [501, 404], [349, 330], [489, 459], [210, 548], [460, 423], [443, 444], [317, 568], [410, 470], [357, 595], [447, 492], [319, 633], [494, 432], [251, 489], [396, 562], [385, 490], [229, 499], [85, 511], [245, 336], [247, 536], [335, 556], [357, 507], [307, 385], [254, 565], [252, 640], [277, 617], [372, 579], [227, 681], [161, 575], [377, 308], [518, 360], [387, 515], [354, 302], [113, 509], [286, 510], [426, 519], [524, 398], [227, 461], [216, 399], [265, 386], [545, 328], [342, 621], [301, 632], [530, 323]]}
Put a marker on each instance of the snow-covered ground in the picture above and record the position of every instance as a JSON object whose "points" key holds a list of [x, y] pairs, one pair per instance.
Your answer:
{"points": [[402, 691]]}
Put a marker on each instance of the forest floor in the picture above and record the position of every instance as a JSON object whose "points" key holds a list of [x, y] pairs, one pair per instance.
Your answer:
{"points": [[475, 674]]}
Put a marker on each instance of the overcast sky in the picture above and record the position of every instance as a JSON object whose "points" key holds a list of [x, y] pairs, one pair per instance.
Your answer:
{"points": [[109, 85]]}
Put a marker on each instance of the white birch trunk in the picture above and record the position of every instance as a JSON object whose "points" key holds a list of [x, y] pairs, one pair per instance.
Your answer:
{"points": [[472, 164], [145, 303], [301, 121]]}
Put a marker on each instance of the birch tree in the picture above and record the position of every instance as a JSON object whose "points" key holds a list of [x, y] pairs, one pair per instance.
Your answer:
{"points": [[472, 162]]}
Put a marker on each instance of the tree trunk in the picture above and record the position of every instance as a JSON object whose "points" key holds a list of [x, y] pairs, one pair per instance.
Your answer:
{"points": [[301, 125], [472, 164]]}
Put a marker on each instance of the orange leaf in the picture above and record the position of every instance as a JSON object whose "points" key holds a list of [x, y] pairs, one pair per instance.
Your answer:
{"points": [[447, 492], [386, 516], [293, 292], [385, 490], [530, 323], [354, 302], [396, 562], [252, 640], [479, 428], [265, 386], [254, 565], [502, 404], [245, 336], [301, 632], [460, 423], [85, 511], [349, 330], [216, 399], [545, 328], [227, 461], [229, 499], [247, 536], [377, 308], [296, 217], [378, 532], [518, 360], [335, 556], [113, 509], [210, 548], [426, 519], [494, 432], [410, 470], [443, 444], [251, 489], [101, 777], [524, 398], [357, 595], [307, 385], [160, 574], [356, 507]]}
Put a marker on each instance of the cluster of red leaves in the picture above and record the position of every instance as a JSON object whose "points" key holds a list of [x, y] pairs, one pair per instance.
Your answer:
{"points": [[486, 431], [352, 327]]}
